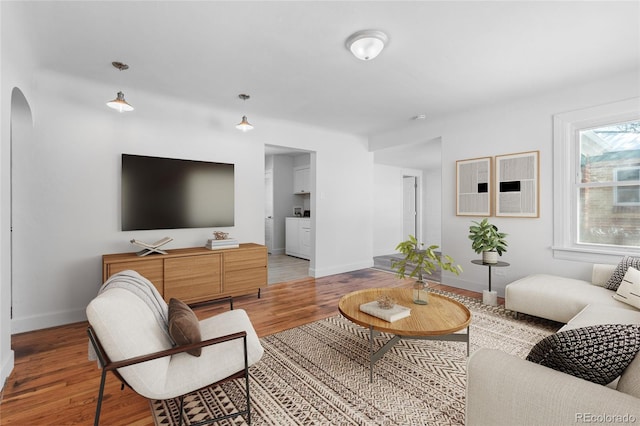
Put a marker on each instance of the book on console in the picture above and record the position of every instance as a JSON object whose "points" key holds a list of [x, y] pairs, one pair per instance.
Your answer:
{"points": [[218, 247], [214, 242], [390, 315]]}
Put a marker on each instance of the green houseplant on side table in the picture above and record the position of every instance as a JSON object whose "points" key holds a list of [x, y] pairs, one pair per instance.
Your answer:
{"points": [[419, 261], [488, 240]]}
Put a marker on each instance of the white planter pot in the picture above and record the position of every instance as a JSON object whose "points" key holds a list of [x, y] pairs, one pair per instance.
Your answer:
{"points": [[490, 256]]}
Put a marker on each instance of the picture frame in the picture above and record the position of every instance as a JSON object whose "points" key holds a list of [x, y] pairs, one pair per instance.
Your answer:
{"points": [[474, 189], [517, 184]]}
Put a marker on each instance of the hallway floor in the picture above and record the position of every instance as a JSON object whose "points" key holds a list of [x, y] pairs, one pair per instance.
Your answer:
{"points": [[286, 268]]}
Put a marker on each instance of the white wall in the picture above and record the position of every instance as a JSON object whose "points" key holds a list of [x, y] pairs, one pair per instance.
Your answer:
{"points": [[16, 61], [521, 125], [68, 189], [388, 207], [432, 206]]}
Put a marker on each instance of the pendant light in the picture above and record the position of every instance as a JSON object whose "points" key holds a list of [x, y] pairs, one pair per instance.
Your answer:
{"points": [[119, 104], [366, 44], [244, 125]]}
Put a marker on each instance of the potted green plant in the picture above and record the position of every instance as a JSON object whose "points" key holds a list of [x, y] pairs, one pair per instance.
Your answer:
{"points": [[488, 240], [419, 261]]}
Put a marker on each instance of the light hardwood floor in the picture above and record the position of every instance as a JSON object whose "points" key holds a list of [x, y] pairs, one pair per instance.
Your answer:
{"points": [[53, 383], [284, 268]]}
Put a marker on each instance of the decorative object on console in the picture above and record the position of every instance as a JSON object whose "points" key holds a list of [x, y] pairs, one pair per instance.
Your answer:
{"points": [[151, 248], [473, 187], [621, 270], [421, 261], [598, 353], [220, 235], [119, 104], [629, 289], [486, 239]]}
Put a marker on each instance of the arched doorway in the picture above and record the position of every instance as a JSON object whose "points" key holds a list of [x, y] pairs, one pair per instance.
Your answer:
{"points": [[21, 134]]}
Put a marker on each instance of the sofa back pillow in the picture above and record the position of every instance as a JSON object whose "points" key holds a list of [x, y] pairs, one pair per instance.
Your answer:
{"points": [[601, 272], [621, 269], [629, 290]]}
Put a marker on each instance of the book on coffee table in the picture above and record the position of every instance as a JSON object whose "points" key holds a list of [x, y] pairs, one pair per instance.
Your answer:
{"points": [[390, 315]]}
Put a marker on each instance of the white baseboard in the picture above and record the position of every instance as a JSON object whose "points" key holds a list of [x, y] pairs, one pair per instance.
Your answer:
{"points": [[7, 368], [38, 322], [323, 272], [454, 281]]}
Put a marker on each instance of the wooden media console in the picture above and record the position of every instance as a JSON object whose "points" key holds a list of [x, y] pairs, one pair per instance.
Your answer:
{"points": [[197, 274]]}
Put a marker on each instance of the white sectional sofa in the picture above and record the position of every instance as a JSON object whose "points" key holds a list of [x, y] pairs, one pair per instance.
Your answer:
{"points": [[506, 390], [560, 298]]}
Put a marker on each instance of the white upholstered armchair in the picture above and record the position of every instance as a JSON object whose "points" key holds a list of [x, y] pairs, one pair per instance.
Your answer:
{"points": [[129, 333]]}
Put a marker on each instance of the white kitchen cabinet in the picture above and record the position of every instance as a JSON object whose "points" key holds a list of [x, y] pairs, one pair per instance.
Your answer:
{"points": [[301, 180], [298, 237]]}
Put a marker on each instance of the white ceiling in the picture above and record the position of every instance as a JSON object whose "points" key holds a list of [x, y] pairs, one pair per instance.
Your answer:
{"points": [[290, 56]]}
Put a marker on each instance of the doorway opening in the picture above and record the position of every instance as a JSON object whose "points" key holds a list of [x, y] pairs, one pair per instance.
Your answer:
{"points": [[409, 206], [289, 212]]}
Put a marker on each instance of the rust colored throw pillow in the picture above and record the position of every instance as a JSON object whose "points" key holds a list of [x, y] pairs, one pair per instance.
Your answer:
{"points": [[184, 327]]}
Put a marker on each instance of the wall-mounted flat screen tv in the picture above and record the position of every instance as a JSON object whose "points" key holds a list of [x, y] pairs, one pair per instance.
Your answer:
{"points": [[168, 193]]}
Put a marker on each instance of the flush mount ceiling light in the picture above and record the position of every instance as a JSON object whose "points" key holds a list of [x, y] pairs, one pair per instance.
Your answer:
{"points": [[366, 44], [244, 125], [119, 104]]}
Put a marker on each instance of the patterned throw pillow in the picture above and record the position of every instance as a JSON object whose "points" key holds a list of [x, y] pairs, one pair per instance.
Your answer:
{"points": [[629, 290], [598, 353], [621, 269]]}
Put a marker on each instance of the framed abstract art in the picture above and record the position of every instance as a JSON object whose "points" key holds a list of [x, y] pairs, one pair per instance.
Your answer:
{"points": [[518, 184], [473, 187]]}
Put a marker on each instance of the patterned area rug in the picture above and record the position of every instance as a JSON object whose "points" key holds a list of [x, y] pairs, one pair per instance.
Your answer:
{"points": [[318, 374]]}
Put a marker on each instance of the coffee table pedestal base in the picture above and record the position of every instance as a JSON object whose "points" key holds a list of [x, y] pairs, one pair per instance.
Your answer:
{"points": [[374, 356]]}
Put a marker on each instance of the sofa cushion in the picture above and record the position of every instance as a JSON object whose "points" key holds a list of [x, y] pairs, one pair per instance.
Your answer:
{"points": [[621, 270], [597, 353], [184, 327], [596, 314], [629, 290], [629, 382]]}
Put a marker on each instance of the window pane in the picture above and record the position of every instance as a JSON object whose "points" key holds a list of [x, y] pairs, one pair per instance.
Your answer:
{"points": [[600, 221], [632, 173], [627, 195], [610, 214], [610, 153]]}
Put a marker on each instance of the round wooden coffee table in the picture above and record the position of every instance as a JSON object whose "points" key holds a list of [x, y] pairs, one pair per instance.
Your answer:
{"points": [[438, 320]]}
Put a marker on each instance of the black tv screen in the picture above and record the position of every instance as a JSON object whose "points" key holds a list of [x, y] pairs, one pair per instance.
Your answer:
{"points": [[167, 193]]}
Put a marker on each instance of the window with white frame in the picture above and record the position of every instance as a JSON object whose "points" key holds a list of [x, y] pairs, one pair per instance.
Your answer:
{"points": [[597, 182]]}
